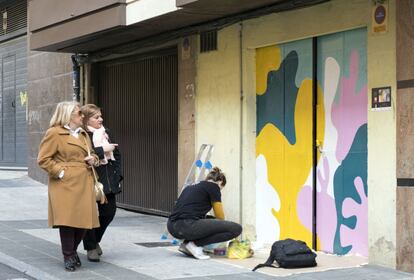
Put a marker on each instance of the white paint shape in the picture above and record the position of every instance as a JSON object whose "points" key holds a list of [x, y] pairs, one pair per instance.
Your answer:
{"points": [[332, 72], [267, 226]]}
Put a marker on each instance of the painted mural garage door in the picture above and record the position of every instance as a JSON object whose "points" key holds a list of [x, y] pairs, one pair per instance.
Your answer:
{"points": [[284, 140], [342, 204]]}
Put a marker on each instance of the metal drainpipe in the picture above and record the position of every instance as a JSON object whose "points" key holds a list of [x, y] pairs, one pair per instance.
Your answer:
{"points": [[76, 78], [78, 61], [241, 125]]}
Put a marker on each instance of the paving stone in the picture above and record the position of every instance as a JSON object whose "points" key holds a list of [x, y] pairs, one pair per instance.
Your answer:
{"points": [[9, 273], [27, 244]]}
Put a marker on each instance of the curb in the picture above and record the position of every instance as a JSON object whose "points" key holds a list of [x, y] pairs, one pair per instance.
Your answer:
{"points": [[13, 168]]}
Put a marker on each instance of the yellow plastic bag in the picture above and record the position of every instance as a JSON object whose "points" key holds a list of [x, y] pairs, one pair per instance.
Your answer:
{"points": [[239, 249]]}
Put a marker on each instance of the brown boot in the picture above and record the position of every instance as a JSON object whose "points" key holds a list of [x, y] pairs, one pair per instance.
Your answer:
{"points": [[93, 255]]}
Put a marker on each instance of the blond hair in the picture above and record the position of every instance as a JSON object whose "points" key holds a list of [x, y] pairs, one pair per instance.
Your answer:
{"points": [[63, 112], [88, 111]]}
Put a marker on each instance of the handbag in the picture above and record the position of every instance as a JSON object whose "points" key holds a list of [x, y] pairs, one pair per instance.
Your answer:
{"points": [[98, 187], [239, 249]]}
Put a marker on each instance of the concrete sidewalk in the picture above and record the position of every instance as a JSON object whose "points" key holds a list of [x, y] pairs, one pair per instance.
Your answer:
{"points": [[132, 247]]}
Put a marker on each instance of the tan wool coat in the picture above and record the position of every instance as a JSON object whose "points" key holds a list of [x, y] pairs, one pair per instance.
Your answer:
{"points": [[72, 198]]}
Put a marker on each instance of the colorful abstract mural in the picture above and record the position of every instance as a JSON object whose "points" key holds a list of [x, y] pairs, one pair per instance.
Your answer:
{"points": [[284, 165]]}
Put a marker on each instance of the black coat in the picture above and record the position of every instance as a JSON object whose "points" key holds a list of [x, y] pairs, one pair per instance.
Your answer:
{"points": [[110, 175]]}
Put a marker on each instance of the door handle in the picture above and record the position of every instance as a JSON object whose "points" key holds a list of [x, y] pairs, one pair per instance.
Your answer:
{"points": [[319, 146]]}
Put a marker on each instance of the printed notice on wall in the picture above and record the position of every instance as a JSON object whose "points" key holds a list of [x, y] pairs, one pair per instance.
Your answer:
{"points": [[381, 99]]}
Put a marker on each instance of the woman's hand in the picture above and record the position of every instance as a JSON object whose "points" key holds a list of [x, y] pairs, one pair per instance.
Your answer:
{"points": [[109, 147], [90, 160]]}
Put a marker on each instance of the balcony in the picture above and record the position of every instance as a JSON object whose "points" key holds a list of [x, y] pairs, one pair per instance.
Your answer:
{"points": [[94, 25]]}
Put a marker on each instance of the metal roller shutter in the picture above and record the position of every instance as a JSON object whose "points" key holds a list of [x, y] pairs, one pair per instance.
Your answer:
{"points": [[139, 99]]}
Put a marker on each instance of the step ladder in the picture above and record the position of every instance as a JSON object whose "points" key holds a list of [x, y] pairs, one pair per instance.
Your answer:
{"points": [[200, 165]]}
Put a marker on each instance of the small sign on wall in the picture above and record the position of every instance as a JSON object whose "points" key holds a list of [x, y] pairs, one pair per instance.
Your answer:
{"points": [[381, 99], [186, 49], [380, 16]]}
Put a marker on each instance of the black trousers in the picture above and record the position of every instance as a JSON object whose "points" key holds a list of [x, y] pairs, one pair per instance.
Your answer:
{"points": [[106, 215], [205, 231], [70, 238]]}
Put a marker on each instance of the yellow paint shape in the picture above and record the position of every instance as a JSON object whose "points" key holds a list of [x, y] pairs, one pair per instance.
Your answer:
{"points": [[320, 119], [23, 98], [267, 59], [289, 165]]}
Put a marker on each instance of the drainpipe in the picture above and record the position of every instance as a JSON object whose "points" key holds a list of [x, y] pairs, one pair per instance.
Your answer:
{"points": [[78, 60], [76, 78], [241, 125]]}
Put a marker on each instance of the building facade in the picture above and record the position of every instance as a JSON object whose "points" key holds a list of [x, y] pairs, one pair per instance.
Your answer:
{"points": [[308, 107]]}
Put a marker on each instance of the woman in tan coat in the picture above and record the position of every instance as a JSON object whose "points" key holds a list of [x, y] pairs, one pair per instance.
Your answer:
{"points": [[64, 156]]}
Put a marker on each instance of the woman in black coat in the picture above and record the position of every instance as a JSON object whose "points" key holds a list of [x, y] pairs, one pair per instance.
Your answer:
{"points": [[110, 175]]}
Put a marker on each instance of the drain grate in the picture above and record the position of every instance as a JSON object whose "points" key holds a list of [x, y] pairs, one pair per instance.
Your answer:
{"points": [[155, 244]]}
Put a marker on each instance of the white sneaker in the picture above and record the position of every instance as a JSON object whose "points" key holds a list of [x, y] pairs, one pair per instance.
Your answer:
{"points": [[196, 251], [184, 250]]}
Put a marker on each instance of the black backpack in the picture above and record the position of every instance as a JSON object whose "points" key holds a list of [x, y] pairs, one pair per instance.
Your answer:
{"points": [[290, 253]]}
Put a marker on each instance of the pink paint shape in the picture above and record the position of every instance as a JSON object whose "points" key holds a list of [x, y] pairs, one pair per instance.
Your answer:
{"points": [[357, 237], [326, 210], [351, 110]]}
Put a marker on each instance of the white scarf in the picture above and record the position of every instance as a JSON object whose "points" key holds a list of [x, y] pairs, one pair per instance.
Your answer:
{"points": [[74, 132], [99, 138]]}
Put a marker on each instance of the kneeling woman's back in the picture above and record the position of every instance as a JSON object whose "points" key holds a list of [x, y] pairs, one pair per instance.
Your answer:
{"points": [[188, 219]]}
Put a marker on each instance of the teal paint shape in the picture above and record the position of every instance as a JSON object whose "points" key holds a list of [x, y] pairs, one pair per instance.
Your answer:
{"points": [[303, 49], [354, 165], [277, 105]]}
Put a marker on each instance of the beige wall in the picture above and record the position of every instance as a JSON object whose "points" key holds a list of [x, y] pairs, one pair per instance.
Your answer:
{"points": [[218, 109], [382, 148], [187, 71]]}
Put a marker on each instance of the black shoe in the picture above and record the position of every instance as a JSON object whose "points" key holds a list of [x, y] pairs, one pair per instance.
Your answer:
{"points": [[70, 264], [77, 260]]}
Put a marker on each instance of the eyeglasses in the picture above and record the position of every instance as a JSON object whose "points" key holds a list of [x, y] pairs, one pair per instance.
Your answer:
{"points": [[77, 113]]}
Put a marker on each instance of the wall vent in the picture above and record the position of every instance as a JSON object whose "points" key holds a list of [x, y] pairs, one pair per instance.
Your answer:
{"points": [[14, 18], [208, 41]]}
